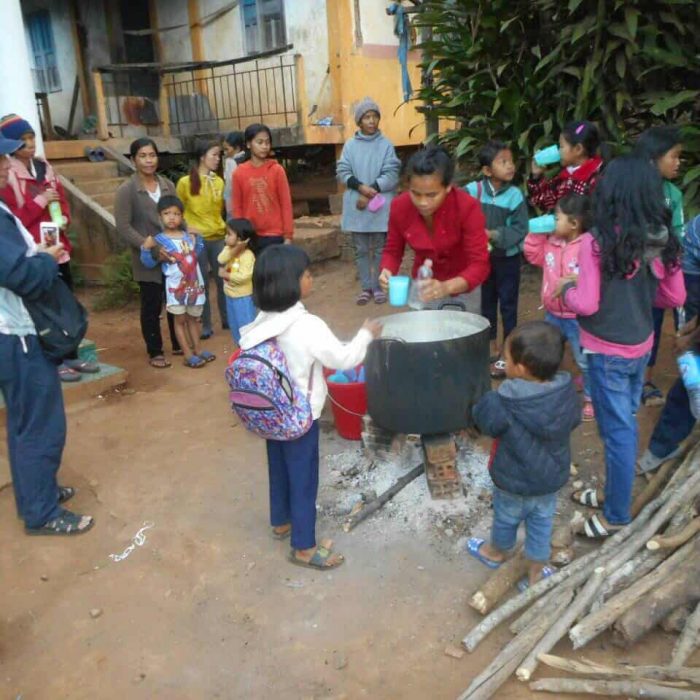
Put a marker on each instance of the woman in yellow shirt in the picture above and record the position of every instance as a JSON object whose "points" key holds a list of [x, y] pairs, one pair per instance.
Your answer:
{"points": [[202, 193]]}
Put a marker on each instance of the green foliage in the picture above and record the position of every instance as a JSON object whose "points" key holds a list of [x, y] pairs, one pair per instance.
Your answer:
{"points": [[119, 286], [520, 69]]}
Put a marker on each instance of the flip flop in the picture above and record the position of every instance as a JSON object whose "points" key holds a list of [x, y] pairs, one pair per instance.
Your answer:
{"points": [[320, 558], [207, 356], [524, 583], [82, 366], [66, 374], [473, 547], [282, 535], [65, 493], [593, 529], [194, 362], [159, 362], [587, 497]]}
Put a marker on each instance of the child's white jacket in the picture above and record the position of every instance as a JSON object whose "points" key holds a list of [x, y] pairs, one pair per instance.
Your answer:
{"points": [[309, 345]]}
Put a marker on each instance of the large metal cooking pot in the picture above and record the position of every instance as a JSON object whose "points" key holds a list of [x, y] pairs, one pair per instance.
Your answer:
{"points": [[426, 371]]}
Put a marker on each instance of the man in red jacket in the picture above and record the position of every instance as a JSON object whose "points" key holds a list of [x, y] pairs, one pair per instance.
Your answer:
{"points": [[440, 223]]}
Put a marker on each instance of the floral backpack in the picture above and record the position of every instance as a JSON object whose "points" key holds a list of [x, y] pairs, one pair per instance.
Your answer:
{"points": [[264, 395]]}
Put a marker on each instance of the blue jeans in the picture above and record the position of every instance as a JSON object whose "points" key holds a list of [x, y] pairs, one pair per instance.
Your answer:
{"points": [[210, 267], [616, 390], [368, 253], [570, 330], [675, 422], [501, 290], [293, 470], [36, 426], [240, 311], [537, 512]]}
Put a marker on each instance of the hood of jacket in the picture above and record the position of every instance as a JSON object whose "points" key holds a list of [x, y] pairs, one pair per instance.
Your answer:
{"points": [[542, 408], [270, 324], [368, 137]]}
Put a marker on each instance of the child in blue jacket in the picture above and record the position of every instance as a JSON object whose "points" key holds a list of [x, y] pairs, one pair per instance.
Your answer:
{"points": [[531, 417], [506, 215]]}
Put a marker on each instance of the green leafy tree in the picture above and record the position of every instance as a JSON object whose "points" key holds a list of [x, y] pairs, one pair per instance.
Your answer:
{"points": [[520, 69]]}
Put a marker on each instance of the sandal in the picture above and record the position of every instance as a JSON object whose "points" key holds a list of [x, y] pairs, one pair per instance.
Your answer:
{"points": [[65, 493], [380, 297], [320, 558], [159, 362], [206, 336], [207, 356], [82, 366], [587, 497], [283, 535], [178, 352], [363, 297], [651, 395], [66, 374], [67, 523], [524, 583], [194, 362], [474, 545], [593, 529]]}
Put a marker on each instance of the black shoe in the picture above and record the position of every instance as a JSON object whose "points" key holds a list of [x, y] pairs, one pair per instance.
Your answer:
{"points": [[206, 336], [225, 327]]}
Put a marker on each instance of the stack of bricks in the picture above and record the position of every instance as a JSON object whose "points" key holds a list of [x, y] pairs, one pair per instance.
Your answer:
{"points": [[381, 443], [440, 454]]}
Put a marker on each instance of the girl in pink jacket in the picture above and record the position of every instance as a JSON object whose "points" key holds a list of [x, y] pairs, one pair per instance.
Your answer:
{"points": [[628, 262], [557, 255]]}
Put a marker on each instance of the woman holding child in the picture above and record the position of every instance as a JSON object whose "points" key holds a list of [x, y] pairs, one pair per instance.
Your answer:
{"points": [[441, 223], [136, 215]]}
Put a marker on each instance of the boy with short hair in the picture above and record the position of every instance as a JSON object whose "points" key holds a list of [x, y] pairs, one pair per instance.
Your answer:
{"points": [[184, 283], [505, 209], [531, 416], [369, 168]]}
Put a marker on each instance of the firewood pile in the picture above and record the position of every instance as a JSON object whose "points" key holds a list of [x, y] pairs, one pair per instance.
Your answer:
{"points": [[646, 574]]}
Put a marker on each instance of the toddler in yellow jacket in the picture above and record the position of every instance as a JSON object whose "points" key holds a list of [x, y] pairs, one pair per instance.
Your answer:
{"points": [[236, 262]]}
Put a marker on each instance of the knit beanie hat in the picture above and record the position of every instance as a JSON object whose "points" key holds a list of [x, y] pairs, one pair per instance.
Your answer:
{"points": [[14, 127], [364, 106]]}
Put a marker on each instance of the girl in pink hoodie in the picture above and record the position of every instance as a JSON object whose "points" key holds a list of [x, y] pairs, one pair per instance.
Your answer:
{"points": [[557, 255]]}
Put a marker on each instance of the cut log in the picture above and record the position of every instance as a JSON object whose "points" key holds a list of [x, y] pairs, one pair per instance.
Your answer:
{"points": [[562, 624], [595, 670], [377, 503], [675, 540], [629, 689], [688, 641], [499, 583], [592, 625], [675, 622], [682, 587], [485, 685], [526, 619], [654, 485]]}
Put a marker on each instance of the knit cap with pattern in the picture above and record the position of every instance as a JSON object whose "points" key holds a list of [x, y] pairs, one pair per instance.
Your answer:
{"points": [[364, 106], [14, 127]]}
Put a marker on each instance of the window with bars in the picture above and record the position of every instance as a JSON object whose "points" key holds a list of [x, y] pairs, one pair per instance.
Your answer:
{"points": [[263, 25], [45, 72]]}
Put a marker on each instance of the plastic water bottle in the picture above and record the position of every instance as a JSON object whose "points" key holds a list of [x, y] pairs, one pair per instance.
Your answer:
{"points": [[690, 373], [425, 272]]}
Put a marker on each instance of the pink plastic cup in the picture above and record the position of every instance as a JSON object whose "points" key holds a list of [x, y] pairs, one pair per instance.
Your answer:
{"points": [[376, 203]]}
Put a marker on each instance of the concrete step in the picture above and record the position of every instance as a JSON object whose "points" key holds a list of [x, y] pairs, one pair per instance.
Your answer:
{"points": [[319, 243], [109, 184], [104, 200], [85, 170]]}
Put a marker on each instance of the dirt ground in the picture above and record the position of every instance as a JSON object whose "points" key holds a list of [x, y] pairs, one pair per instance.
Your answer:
{"points": [[208, 606]]}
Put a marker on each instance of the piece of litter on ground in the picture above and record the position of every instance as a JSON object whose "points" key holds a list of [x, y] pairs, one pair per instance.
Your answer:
{"points": [[294, 584], [138, 540], [95, 613], [454, 651], [573, 470], [251, 566], [44, 577], [420, 568], [577, 485], [340, 661]]}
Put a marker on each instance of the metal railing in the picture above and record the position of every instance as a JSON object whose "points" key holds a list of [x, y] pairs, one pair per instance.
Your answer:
{"points": [[189, 99]]}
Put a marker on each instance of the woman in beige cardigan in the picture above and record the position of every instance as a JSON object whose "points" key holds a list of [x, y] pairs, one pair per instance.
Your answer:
{"points": [[136, 215]]}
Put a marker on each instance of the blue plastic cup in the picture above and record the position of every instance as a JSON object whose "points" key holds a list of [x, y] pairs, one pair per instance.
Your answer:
{"points": [[542, 224], [548, 156], [398, 290]]}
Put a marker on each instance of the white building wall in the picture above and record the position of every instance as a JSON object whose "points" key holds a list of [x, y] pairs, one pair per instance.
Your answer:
{"points": [[176, 45], [377, 26], [59, 102]]}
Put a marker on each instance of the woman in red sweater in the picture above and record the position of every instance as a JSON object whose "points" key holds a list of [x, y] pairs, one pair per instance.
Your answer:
{"points": [[442, 223], [261, 191]]}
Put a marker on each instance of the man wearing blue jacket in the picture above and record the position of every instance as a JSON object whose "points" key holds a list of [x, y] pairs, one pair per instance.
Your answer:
{"points": [[36, 419]]}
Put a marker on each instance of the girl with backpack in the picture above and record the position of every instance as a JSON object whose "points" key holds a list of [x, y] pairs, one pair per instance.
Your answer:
{"points": [[281, 279], [628, 262]]}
